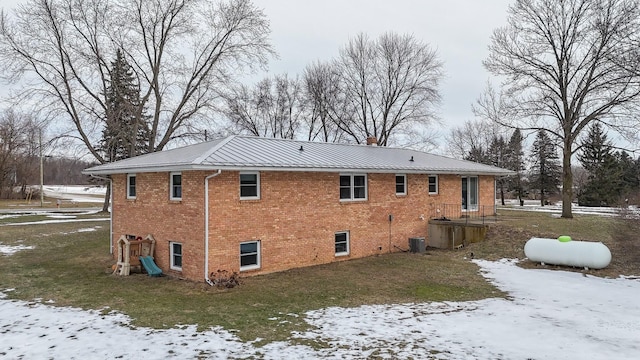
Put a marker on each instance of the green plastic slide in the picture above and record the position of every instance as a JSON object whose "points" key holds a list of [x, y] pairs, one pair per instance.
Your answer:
{"points": [[150, 266]]}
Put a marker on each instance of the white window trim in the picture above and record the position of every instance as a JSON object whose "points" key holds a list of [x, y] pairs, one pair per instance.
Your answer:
{"points": [[352, 185], [171, 197], [343, 253], [437, 184], [258, 257], [257, 174], [129, 196], [405, 184], [171, 255]]}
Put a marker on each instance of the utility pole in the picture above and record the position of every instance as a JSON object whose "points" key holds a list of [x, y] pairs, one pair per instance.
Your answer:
{"points": [[41, 170]]}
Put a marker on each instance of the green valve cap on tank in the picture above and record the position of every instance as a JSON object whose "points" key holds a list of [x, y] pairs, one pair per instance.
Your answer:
{"points": [[564, 238]]}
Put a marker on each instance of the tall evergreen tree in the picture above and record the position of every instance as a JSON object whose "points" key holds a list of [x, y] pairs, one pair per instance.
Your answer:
{"points": [[545, 168], [515, 162], [594, 148], [628, 171], [497, 156], [126, 132], [604, 183]]}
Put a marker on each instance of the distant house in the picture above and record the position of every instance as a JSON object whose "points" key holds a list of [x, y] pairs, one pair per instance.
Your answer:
{"points": [[260, 205]]}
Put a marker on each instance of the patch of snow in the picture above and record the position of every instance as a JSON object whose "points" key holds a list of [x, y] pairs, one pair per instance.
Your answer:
{"points": [[57, 216], [549, 314], [631, 211], [77, 189], [76, 193], [12, 249]]}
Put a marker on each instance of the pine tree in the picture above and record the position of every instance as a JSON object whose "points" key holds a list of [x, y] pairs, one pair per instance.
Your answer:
{"points": [[477, 154], [545, 168], [497, 156], [628, 175], [594, 149], [126, 133], [604, 184], [515, 162]]}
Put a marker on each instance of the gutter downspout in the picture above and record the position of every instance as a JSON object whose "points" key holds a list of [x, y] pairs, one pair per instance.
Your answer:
{"points": [[110, 212], [206, 226]]}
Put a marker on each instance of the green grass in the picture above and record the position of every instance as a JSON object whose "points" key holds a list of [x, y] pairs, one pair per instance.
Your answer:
{"points": [[507, 238], [581, 227], [48, 204], [73, 269], [64, 216]]}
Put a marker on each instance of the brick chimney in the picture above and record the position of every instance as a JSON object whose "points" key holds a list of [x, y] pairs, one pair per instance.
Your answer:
{"points": [[371, 140]]}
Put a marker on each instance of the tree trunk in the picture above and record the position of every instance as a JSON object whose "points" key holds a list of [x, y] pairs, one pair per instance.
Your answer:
{"points": [[107, 197], [567, 181]]}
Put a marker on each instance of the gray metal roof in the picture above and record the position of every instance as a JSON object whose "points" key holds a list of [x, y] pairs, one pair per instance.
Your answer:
{"points": [[267, 154]]}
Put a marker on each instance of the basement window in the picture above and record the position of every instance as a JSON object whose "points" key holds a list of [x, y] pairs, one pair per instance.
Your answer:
{"points": [[175, 186], [342, 243], [175, 249], [249, 255], [131, 186]]}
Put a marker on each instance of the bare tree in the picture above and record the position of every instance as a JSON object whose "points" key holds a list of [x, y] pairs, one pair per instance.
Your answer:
{"points": [[19, 150], [567, 63], [471, 136], [323, 99], [182, 52], [275, 107], [386, 88]]}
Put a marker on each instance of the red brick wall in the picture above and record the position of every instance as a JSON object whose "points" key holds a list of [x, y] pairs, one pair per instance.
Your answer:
{"points": [[167, 220], [295, 219]]}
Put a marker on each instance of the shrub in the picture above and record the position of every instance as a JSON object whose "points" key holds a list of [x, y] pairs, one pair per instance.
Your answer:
{"points": [[223, 279]]}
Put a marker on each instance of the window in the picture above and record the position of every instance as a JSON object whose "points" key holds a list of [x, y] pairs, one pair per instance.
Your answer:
{"points": [[249, 185], [342, 243], [249, 255], [176, 255], [401, 185], [433, 184], [131, 186], [175, 186], [470, 193], [353, 187]]}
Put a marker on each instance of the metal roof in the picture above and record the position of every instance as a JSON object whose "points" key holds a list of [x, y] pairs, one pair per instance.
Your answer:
{"points": [[268, 154]]}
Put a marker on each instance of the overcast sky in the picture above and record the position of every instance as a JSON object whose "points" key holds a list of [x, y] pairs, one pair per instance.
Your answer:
{"points": [[460, 31]]}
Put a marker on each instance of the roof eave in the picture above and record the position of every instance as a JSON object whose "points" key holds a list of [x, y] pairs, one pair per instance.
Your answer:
{"points": [[147, 169], [191, 167]]}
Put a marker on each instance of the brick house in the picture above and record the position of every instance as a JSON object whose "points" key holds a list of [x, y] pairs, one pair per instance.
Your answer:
{"points": [[260, 205]]}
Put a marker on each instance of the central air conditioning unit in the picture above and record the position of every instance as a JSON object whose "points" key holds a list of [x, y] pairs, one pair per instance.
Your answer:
{"points": [[417, 245]]}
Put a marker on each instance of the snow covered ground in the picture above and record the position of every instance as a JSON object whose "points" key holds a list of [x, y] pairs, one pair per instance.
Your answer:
{"points": [[76, 193], [549, 315], [534, 205]]}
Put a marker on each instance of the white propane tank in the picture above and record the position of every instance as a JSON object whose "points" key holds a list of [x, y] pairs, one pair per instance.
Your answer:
{"points": [[563, 251]]}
